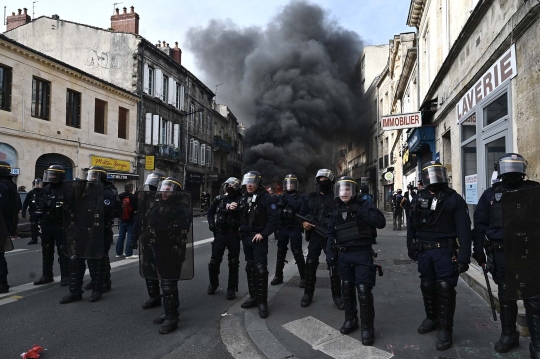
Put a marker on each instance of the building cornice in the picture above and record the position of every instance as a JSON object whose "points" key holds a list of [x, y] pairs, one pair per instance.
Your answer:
{"points": [[415, 13], [408, 66]]}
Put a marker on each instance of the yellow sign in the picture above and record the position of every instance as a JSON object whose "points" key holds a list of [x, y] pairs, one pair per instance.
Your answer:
{"points": [[111, 163], [149, 163]]}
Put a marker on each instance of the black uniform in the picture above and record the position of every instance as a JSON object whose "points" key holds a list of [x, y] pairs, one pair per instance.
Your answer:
{"points": [[397, 211], [10, 204], [224, 223], [352, 231], [31, 203], [436, 221]]}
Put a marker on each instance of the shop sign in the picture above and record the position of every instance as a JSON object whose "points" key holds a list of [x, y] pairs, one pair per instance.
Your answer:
{"points": [[111, 163], [471, 189], [149, 163], [503, 69], [195, 177], [388, 176], [401, 121], [15, 171], [124, 176], [212, 177]]}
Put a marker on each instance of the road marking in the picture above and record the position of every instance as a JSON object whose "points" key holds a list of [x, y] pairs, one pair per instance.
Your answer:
{"points": [[331, 342], [16, 250]]}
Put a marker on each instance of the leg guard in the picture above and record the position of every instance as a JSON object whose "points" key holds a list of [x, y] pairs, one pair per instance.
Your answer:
{"points": [[77, 268], [311, 270], [429, 294], [213, 273], [96, 268], [106, 263], [262, 290], [301, 264], [152, 286], [532, 306], [47, 251], [280, 263], [367, 314], [252, 300], [335, 286], [63, 260], [232, 286], [509, 310], [34, 232], [351, 314], [170, 304], [447, 308]]}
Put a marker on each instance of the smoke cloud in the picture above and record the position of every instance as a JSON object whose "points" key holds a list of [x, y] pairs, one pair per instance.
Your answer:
{"points": [[292, 83]]}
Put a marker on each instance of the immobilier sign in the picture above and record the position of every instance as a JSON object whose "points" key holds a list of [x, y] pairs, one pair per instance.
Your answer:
{"points": [[400, 121]]}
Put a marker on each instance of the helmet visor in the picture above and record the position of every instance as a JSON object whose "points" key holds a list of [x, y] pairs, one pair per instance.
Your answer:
{"points": [[250, 178], [153, 179], [325, 173], [95, 175], [290, 184], [345, 190], [169, 186], [232, 182], [434, 174], [512, 164], [38, 183], [51, 176]]}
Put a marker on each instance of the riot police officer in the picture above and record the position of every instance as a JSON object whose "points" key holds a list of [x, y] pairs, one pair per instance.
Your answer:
{"points": [[10, 204], [224, 221], [351, 233], [488, 224], [319, 206], [289, 203], [438, 216], [31, 202], [258, 218], [51, 223]]}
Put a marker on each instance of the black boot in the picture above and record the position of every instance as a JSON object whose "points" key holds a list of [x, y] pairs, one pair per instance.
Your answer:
{"points": [[33, 231], [509, 310], [170, 304], [301, 264], [429, 294], [63, 260], [367, 314], [262, 290], [232, 286], [335, 286], [252, 300], [4, 287], [447, 308], [309, 290], [280, 263], [106, 270], [152, 285], [77, 268], [213, 273], [532, 307], [159, 319], [351, 314], [96, 269], [47, 251]]}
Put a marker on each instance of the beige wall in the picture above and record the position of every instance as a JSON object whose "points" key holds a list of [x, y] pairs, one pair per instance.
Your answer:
{"points": [[374, 60]]}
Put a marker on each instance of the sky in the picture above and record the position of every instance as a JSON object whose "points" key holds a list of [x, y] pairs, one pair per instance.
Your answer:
{"points": [[376, 21]]}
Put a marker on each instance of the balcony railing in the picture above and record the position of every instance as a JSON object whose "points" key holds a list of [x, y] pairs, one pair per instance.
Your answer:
{"points": [[164, 151], [222, 144]]}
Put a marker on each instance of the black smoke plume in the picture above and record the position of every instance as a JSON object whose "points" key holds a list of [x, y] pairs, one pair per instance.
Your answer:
{"points": [[293, 83]]}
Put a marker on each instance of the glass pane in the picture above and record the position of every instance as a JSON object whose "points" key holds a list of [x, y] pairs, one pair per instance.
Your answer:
{"points": [[494, 150], [469, 160], [496, 110], [468, 127]]}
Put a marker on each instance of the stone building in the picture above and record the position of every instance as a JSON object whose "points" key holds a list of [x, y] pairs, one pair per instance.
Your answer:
{"points": [[54, 113]]}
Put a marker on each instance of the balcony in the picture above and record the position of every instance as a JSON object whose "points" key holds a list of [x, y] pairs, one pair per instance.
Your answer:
{"points": [[234, 168], [221, 145], [163, 152]]}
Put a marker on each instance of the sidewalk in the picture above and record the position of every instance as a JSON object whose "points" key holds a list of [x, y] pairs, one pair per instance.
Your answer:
{"points": [[291, 331]]}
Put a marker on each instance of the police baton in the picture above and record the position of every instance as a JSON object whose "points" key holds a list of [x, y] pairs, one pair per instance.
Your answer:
{"points": [[489, 293]]}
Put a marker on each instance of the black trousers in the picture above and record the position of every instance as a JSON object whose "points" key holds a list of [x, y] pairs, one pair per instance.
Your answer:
{"points": [[255, 252], [222, 241], [3, 269]]}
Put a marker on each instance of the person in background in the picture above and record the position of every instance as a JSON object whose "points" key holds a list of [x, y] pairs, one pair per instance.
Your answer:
{"points": [[126, 222]]}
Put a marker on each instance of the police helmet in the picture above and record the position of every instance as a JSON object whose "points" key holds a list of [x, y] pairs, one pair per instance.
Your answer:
{"points": [[54, 174], [252, 177], [511, 163], [323, 172], [345, 188], [154, 178], [290, 183], [433, 172], [37, 183], [96, 174], [5, 168], [233, 183], [170, 184], [399, 191]]}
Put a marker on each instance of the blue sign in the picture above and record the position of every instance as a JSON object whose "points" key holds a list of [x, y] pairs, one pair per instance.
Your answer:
{"points": [[15, 171], [438, 157]]}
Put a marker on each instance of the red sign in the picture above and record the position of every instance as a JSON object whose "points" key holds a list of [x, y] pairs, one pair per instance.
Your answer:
{"points": [[401, 121]]}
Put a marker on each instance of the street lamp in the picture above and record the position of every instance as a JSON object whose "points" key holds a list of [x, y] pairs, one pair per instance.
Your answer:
{"points": [[187, 141]]}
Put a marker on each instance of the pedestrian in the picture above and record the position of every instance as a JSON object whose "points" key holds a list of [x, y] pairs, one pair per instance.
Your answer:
{"points": [[31, 203], [205, 200], [21, 189], [406, 201], [127, 222], [397, 210], [439, 215], [224, 222], [259, 219], [319, 205], [10, 205], [289, 203], [489, 224], [364, 191], [352, 230]]}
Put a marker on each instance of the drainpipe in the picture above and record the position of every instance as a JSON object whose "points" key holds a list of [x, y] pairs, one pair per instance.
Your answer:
{"points": [[142, 117]]}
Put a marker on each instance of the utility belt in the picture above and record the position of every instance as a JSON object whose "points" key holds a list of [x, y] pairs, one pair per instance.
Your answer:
{"points": [[226, 229], [248, 234], [445, 243], [352, 249]]}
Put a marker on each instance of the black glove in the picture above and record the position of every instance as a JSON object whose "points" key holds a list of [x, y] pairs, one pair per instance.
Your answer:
{"points": [[354, 208], [134, 245], [412, 253], [331, 261], [480, 258], [462, 267], [212, 227]]}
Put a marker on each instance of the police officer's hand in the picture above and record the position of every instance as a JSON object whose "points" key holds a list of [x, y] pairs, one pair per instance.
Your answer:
{"points": [[307, 226], [257, 238], [480, 258], [462, 267], [134, 245], [233, 206], [354, 208], [212, 227], [330, 261]]}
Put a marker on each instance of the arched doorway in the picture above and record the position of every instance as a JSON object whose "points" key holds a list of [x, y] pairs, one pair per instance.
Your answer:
{"points": [[44, 161], [8, 154]]}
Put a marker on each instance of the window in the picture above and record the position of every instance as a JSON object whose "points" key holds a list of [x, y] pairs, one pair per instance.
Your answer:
{"points": [[192, 116], [5, 88], [165, 92], [73, 109], [163, 137], [123, 115], [150, 81], [191, 147], [203, 154], [201, 120], [209, 124], [99, 117], [178, 92], [40, 98], [496, 110], [196, 152], [208, 156]]}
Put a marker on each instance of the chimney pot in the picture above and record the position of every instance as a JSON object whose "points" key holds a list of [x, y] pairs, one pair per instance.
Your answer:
{"points": [[12, 14], [125, 22], [16, 20], [125, 10], [20, 11], [117, 11], [176, 44], [132, 9], [55, 17], [25, 11]]}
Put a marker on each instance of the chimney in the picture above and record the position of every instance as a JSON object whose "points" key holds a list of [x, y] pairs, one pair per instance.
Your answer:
{"points": [[177, 54], [55, 17], [20, 19], [125, 22]]}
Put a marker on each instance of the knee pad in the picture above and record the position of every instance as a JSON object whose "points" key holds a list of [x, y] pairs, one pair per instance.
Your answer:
{"points": [[312, 262], [215, 261], [249, 266], [533, 304], [445, 289], [363, 290], [347, 285], [428, 287], [297, 252], [168, 285], [234, 261], [261, 269]]}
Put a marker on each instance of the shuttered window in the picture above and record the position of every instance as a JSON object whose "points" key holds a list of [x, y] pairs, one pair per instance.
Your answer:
{"points": [[123, 115], [73, 109], [40, 98], [100, 116]]}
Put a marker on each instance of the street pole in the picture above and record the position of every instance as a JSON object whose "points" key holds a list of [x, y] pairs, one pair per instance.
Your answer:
{"points": [[187, 139]]}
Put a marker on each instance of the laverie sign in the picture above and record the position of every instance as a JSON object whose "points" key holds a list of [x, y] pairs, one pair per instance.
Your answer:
{"points": [[401, 121]]}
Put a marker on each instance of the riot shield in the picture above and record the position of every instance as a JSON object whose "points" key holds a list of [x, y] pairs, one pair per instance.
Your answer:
{"points": [[522, 242], [84, 230], [6, 244], [165, 228]]}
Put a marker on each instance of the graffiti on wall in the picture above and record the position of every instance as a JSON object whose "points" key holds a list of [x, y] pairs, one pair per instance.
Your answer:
{"points": [[104, 60]]}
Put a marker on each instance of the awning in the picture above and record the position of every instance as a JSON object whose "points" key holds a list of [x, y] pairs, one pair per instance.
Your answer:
{"points": [[428, 109], [421, 139]]}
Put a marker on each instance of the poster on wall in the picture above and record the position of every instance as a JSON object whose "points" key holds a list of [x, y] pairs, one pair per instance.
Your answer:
{"points": [[471, 189]]}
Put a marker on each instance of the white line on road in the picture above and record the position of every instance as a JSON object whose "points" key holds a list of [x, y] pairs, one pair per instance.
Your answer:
{"points": [[331, 342], [16, 250]]}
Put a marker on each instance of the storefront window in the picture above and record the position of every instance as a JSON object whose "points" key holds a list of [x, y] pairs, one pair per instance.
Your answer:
{"points": [[496, 110], [494, 150], [468, 128]]}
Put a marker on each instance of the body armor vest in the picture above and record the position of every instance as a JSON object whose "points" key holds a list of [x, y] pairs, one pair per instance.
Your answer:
{"points": [[286, 211], [53, 200], [227, 220], [349, 227], [255, 214], [496, 209], [432, 213], [35, 201], [320, 207]]}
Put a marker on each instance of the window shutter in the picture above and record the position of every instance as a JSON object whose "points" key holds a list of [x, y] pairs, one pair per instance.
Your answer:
{"points": [[182, 95], [203, 149], [196, 152], [145, 78], [148, 129], [171, 91], [155, 131], [159, 83], [176, 134], [208, 156], [191, 150], [169, 133]]}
